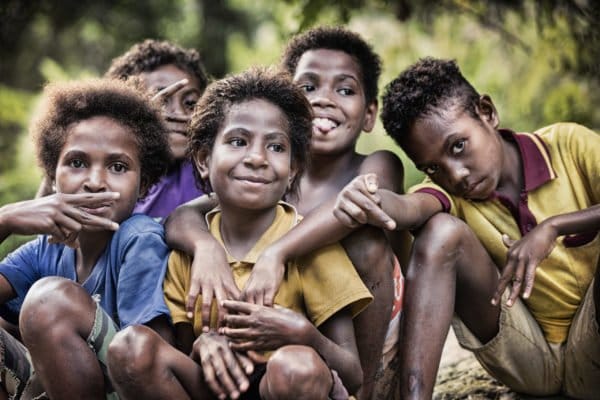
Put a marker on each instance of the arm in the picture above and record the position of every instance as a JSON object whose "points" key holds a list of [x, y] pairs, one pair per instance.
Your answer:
{"points": [[211, 275], [525, 254], [252, 327]]}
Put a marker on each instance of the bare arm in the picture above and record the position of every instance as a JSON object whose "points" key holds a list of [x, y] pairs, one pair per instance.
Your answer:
{"points": [[211, 275]]}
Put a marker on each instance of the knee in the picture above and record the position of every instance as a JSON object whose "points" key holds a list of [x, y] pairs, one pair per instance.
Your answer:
{"points": [[132, 353], [296, 372], [440, 240], [371, 254], [52, 303]]}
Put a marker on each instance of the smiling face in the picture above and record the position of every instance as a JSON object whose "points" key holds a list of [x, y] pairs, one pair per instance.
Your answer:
{"points": [[250, 164], [462, 154], [100, 155], [332, 83], [178, 107]]}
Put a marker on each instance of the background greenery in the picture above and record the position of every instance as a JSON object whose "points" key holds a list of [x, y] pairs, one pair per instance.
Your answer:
{"points": [[537, 59]]}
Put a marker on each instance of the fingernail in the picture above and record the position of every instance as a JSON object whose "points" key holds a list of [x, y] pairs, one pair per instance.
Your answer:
{"points": [[190, 315], [494, 302]]}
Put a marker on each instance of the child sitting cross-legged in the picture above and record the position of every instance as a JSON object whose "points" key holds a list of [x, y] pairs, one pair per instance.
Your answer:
{"points": [[249, 141], [101, 145]]}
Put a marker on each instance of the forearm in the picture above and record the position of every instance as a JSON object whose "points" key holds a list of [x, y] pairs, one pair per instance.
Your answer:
{"points": [[319, 228], [583, 221], [5, 229], [410, 211], [186, 226], [343, 361]]}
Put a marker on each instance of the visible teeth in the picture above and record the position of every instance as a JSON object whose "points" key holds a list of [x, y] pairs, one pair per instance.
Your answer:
{"points": [[324, 123]]}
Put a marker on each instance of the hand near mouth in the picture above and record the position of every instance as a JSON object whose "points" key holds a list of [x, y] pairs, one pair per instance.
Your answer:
{"points": [[62, 216]]}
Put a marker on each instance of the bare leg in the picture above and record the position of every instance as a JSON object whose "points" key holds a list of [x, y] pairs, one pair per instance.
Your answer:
{"points": [[449, 271], [56, 319], [296, 372], [372, 257], [143, 366]]}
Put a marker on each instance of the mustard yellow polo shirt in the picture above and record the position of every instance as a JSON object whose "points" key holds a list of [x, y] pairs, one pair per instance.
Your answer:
{"points": [[561, 169], [317, 285]]}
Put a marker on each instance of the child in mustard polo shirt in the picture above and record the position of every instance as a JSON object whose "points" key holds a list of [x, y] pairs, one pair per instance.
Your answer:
{"points": [[250, 136], [528, 220]]}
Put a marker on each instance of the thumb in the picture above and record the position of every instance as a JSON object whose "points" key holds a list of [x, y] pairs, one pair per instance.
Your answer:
{"points": [[372, 183], [508, 242]]}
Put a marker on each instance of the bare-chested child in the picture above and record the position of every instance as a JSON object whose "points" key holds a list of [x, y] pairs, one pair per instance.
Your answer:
{"points": [[250, 136], [338, 73], [101, 145]]}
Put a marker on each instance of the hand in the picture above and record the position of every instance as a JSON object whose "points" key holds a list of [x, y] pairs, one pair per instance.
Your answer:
{"points": [[251, 327], [210, 275], [160, 96], [523, 257], [264, 280], [59, 215], [358, 203], [225, 372]]}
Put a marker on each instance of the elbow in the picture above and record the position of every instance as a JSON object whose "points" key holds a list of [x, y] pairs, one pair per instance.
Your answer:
{"points": [[354, 379]]}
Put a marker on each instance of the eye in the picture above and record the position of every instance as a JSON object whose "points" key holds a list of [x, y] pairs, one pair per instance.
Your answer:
{"points": [[307, 87], [189, 102], [458, 146], [237, 142], [276, 147], [346, 91], [118, 167], [76, 163], [431, 170]]}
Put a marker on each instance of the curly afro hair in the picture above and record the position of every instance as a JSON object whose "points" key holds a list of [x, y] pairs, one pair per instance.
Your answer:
{"points": [[336, 38], [256, 83], [65, 104], [152, 54], [428, 87]]}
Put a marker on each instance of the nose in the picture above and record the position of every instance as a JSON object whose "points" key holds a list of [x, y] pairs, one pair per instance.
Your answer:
{"points": [[457, 173], [320, 97], [255, 156], [95, 180], [174, 111]]}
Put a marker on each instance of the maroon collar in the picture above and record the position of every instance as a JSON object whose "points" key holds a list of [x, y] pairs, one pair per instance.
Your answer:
{"points": [[537, 168]]}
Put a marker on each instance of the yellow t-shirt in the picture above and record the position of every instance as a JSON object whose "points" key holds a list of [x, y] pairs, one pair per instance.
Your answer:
{"points": [[561, 173], [317, 285]]}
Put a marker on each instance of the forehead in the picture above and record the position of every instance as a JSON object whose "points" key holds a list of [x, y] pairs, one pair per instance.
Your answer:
{"points": [[101, 133], [166, 75], [328, 62], [254, 113]]}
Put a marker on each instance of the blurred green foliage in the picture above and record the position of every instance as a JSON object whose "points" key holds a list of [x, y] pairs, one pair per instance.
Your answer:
{"points": [[538, 60]]}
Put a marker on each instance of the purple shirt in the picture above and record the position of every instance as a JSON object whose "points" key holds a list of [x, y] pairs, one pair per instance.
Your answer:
{"points": [[173, 189]]}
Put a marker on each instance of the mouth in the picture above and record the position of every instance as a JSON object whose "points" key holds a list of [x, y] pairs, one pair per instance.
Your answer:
{"points": [[97, 210], [324, 124], [253, 180], [472, 189]]}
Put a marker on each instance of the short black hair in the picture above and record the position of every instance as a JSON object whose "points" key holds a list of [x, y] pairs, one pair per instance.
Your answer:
{"points": [[67, 103], [428, 87], [256, 83], [150, 54], [336, 38]]}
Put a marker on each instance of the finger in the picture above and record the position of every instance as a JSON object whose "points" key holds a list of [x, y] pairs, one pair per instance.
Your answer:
{"points": [[242, 307], [226, 369], [212, 379], [235, 321], [517, 283], [257, 358], [192, 297], [88, 220], [169, 90], [371, 182], [237, 373], [89, 199], [243, 346], [503, 282], [236, 334], [529, 278], [269, 296], [233, 292], [508, 242], [207, 297], [220, 310], [246, 364], [345, 218]]}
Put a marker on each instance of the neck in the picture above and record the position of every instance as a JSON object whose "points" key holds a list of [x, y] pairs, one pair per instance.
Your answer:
{"points": [[324, 167], [511, 179], [241, 229], [91, 247]]}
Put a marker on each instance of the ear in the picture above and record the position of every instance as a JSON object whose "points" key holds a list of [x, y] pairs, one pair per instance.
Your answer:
{"points": [[201, 161], [370, 116], [487, 111]]}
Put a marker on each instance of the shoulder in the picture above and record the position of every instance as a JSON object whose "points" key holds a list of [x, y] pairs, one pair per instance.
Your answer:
{"points": [[388, 167], [140, 224], [140, 230], [565, 132], [38, 248]]}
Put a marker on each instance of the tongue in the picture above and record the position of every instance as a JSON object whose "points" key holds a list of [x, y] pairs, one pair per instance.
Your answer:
{"points": [[323, 124]]}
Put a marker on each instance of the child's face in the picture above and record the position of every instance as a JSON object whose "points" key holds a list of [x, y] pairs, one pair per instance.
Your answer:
{"points": [[99, 155], [462, 154], [250, 164], [178, 107], [332, 82]]}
